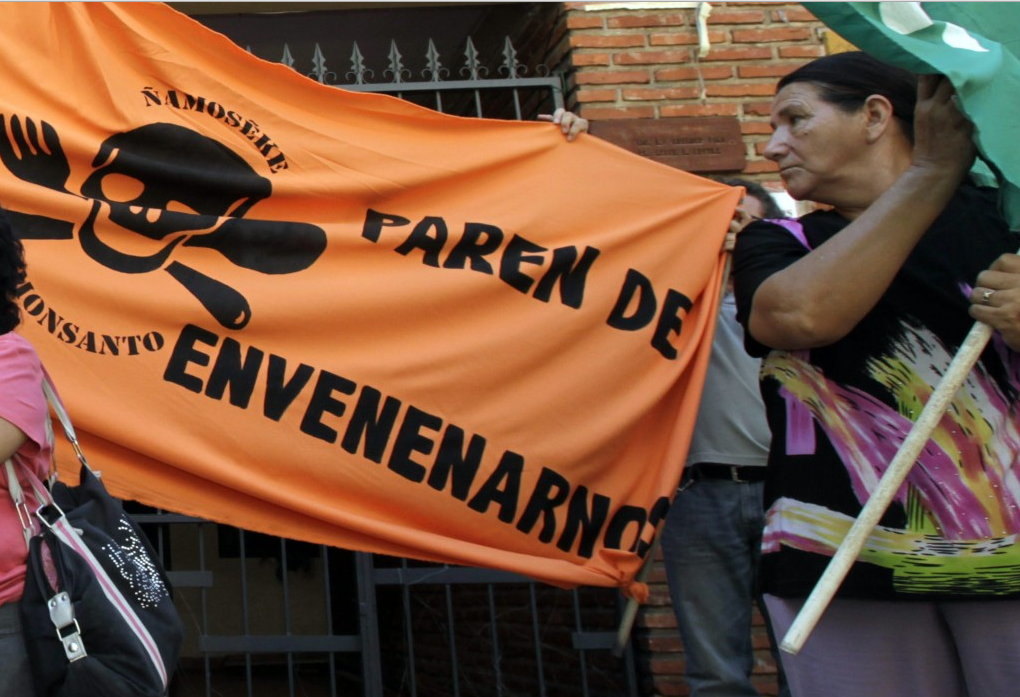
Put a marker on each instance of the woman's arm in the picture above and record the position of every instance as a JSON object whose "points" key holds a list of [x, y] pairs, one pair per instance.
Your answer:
{"points": [[820, 298], [11, 438]]}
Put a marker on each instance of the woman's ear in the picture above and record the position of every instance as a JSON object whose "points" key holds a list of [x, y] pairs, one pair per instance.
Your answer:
{"points": [[878, 114]]}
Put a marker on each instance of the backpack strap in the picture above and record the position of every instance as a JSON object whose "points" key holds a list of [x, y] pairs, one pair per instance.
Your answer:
{"points": [[18, 497], [65, 421]]}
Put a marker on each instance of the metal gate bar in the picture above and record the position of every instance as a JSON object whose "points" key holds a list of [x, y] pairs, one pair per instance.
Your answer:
{"points": [[408, 578]]}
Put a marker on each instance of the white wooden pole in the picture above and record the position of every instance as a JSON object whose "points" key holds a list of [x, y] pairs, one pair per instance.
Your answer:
{"points": [[631, 608], [888, 485]]}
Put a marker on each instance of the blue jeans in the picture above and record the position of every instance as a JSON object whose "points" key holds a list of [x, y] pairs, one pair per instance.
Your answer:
{"points": [[711, 544]]}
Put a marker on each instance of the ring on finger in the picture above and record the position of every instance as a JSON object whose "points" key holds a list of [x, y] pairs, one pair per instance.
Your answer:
{"points": [[986, 297]]}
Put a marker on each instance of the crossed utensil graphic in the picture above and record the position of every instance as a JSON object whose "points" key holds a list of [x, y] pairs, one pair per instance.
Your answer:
{"points": [[170, 185]]}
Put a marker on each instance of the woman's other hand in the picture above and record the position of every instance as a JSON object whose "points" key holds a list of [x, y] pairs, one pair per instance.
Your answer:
{"points": [[995, 299], [943, 135]]}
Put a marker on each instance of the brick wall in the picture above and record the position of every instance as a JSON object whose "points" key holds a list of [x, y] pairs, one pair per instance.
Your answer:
{"points": [[527, 630], [641, 62]]}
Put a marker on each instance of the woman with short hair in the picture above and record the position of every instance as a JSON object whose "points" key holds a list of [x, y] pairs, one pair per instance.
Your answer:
{"points": [[858, 309]]}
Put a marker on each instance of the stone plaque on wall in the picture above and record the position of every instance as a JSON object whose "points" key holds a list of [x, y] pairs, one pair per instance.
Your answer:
{"points": [[698, 144]]}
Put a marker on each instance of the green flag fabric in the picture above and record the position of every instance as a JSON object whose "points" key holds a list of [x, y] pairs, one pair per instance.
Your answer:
{"points": [[975, 44]]}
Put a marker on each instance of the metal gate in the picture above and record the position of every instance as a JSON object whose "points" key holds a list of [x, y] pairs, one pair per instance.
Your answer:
{"points": [[267, 616]]}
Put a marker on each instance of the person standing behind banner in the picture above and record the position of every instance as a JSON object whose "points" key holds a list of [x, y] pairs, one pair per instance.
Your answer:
{"points": [[858, 311], [23, 439], [711, 540]]}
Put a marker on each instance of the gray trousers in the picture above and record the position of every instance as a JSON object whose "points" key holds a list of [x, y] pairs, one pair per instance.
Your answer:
{"points": [[15, 675], [915, 648]]}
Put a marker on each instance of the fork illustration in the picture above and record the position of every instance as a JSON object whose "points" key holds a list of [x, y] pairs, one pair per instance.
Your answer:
{"points": [[38, 162]]}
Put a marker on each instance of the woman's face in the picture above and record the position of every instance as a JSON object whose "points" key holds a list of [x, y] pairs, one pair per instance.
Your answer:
{"points": [[814, 143]]}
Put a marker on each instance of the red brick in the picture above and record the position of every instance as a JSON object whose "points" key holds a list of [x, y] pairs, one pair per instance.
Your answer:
{"points": [[661, 93], [631, 21], [657, 597], [713, 72], [670, 687], [792, 14], [801, 51], [754, 166], [662, 643], [758, 108], [606, 40], [758, 3], [610, 77], [585, 96], [739, 54], [652, 57], [767, 70], [764, 36], [607, 113], [751, 128], [657, 576], [684, 39], [721, 16], [699, 110], [666, 666], [741, 89], [583, 21], [656, 618], [581, 60], [763, 682]]}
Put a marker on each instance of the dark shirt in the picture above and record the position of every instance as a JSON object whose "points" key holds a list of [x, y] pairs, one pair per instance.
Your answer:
{"points": [[839, 413]]}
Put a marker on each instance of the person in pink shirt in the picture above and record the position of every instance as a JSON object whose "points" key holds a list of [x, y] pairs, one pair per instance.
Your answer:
{"points": [[23, 441]]}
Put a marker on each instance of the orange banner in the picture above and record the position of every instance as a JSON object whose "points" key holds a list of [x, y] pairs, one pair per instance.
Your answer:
{"points": [[343, 318]]}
